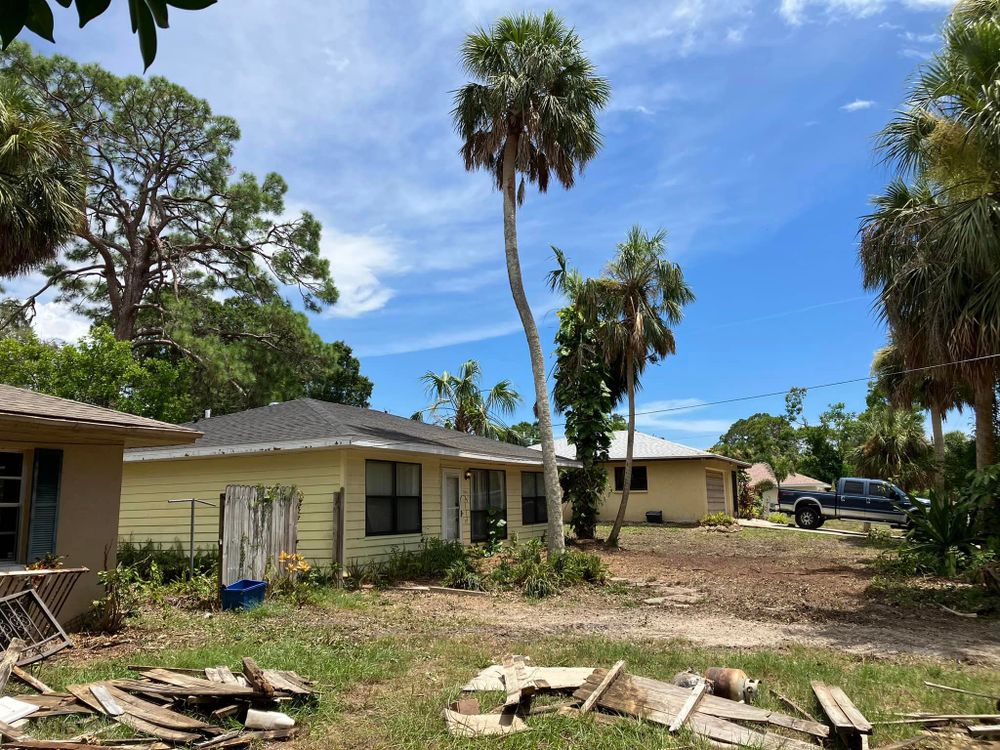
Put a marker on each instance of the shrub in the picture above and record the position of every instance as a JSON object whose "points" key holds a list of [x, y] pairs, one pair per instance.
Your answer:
{"points": [[881, 538], [172, 561], [717, 519], [122, 597], [779, 518], [576, 567], [464, 574], [944, 530]]}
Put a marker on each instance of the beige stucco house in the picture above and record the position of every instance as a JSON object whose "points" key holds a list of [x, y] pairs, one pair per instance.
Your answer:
{"points": [[399, 480], [60, 482], [682, 483]]}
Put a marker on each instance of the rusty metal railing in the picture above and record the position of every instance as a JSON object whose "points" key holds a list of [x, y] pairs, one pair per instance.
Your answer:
{"points": [[52, 586]]}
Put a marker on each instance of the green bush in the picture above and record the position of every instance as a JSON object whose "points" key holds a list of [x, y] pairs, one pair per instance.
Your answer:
{"points": [[431, 560], [779, 518], [944, 530], [465, 574], [172, 561], [717, 519]]}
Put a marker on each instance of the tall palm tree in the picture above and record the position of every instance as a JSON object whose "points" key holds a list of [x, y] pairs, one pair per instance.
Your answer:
{"points": [[461, 404], [641, 295], [936, 390], [530, 111], [41, 181], [894, 447], [947, 136]]}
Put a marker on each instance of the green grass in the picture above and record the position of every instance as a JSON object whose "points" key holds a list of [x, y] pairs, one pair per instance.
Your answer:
{"points": [[384, 675]]}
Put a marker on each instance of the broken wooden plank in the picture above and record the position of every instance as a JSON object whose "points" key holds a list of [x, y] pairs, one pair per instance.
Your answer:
{"points": [[690, 705], [30, 680], [552, 708], [198, 685], [160, 715], [242, 738], [9, 732], [721, 708], [555, 678], [213, 689], [602, 687], [962, 691], [9, 660], [861, 724], [83, 693], [628, 695], [221, 713], [108, 703], [481, 725], [284, 684], [985, 731], [516, 681], [255, 676]]}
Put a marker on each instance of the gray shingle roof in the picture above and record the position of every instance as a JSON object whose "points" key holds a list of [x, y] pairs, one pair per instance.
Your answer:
{"points": [[308, 423], [646, 448], [21, 405]]}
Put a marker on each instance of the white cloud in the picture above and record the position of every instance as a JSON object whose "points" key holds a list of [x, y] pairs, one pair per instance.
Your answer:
{"points": [[857, 105], [359, 264], [795, 12], [670, 416], [56, 321], [735, 36]]}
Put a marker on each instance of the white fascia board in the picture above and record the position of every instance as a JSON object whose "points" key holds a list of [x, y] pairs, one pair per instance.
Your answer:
{"points": [[249, 449]]}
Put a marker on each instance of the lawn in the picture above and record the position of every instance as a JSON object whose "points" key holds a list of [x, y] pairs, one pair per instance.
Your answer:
{"points": [[388, 662]]}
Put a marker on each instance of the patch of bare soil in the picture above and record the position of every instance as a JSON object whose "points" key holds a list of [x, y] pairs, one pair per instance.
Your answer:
{"points": [[749, 589]]}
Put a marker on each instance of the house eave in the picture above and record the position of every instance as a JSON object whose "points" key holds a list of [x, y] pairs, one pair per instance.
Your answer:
{"points": [[288, 446]]}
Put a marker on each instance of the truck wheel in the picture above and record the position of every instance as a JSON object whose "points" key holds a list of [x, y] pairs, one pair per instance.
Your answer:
{"points": [[808, 517]]}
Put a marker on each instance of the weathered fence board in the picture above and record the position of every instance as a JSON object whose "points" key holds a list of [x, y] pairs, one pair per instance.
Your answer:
{"points": [[257, 525]]}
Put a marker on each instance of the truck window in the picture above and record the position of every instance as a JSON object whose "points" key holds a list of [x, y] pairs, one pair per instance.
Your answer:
{"points": [[878, 489], [854, 487]]}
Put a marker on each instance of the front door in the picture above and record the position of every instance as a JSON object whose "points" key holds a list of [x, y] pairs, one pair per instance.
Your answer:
{"points": [[451, 511]]}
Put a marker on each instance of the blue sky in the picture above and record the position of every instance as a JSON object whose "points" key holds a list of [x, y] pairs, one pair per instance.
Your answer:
{"points": [[742, 128]]}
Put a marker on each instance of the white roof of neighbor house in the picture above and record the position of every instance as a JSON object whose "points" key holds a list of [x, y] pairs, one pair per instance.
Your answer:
{"points": [[645, 448]]}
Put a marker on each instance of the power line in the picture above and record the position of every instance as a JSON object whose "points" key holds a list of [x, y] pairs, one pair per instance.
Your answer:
{"points": [[771, 394]]}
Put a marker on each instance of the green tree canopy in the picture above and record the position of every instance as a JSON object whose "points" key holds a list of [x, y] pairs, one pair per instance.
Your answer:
{"points": [[98, 370], [176, 256], [762, 437]]}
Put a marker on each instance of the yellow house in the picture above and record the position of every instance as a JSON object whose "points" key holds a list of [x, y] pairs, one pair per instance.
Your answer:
{"points": [[679, 482], [60, 481], [370, 481]]}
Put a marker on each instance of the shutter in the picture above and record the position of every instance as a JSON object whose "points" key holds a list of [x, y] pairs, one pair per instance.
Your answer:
{"points": [[716, 490], [44, 503]]}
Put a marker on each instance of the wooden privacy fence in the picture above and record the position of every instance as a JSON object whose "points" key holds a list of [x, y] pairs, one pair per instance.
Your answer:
{"points": [[256, 524]]}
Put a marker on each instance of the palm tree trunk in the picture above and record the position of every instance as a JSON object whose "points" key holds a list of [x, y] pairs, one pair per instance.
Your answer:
{"points": [[629, 445], [985, 404], [556, 541], [937, 427]]}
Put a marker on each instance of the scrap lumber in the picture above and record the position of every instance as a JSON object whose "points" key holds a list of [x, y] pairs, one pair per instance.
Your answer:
{"points": [[9, 732], [165, 717], [964, 692], [30, 680], [138, 723], [255, 676], [28, 743], [516, 681], [481, 725], [849, 722], [554, 678], [985, 730], [9, 660], [107, 701], [196, 685], [723, 708], [242, 738], [602, 687], [690, 705], [660, 702]]}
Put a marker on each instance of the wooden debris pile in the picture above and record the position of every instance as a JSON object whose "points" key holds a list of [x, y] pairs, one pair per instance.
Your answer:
{"points": [[714, 706], [171, 706], [609, 694]]}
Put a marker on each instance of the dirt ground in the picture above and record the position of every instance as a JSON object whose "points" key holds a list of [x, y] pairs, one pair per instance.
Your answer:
{"points": [[747, 589]]}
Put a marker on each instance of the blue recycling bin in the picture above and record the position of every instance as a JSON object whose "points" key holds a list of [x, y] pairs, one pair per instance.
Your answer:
{"points": [[244, 594]]}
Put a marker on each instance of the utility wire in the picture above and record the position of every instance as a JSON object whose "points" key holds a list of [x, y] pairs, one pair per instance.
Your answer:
{"points": [[771, 394]]}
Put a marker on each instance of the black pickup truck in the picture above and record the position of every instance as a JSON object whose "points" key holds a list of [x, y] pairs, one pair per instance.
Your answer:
{"points": [[855, 499]]}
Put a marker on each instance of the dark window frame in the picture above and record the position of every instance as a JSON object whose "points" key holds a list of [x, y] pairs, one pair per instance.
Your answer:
{"points": [[395, 497], [620, 479], [534, 500], [474, 512]]}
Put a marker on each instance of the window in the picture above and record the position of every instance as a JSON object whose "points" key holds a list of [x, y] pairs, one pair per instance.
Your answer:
{"points": [[488, 492], [11, 481], [877, 489], [392, 498], [854, 487], [533, 508], [639, 481]]}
